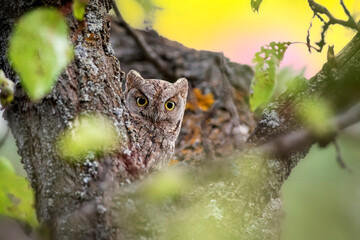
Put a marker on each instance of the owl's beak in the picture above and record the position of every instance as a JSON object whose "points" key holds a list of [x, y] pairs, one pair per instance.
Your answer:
{"points": [[154, 115]]}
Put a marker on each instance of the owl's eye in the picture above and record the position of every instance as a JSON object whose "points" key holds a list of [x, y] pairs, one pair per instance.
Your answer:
{"points": [[141, 101], [170, 105]]}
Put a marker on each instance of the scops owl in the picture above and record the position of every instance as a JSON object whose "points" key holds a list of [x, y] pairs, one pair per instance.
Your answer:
{"points": [[155, 110]]}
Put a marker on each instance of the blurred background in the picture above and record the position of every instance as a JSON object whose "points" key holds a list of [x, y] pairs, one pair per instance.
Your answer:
{"points": [[230, 26]]}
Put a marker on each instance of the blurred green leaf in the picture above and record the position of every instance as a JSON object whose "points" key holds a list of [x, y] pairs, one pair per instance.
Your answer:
{"points": [[255, 5], [266, 65], [79, 8], [90, 135], [297, 84], [316, 114], [40, 50], [7, 90], [16, 196], [166, 184], [286, 79], [6, 167], [201, 222]]}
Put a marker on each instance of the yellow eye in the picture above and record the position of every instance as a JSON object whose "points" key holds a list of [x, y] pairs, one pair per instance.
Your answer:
{"points": [[170, 105], [141, 101]]}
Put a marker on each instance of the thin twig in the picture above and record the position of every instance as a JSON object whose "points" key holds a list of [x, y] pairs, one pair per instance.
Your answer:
{"points": [[307, 44], [320, 9], [308, 34], [149, 53], [339, 157], [348, 13], [205, 141], [228, 99]]}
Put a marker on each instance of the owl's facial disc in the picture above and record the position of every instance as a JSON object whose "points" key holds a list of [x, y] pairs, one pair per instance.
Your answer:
{"points": [[156, 103]]}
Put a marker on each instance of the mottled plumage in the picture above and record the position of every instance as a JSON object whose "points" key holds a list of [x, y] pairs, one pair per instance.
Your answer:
{"points": [[153, 126]]}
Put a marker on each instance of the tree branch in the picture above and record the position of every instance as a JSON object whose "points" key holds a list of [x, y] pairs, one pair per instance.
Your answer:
{"points": [[320, 9], [339, 157], [228, 99], [286, 145]]}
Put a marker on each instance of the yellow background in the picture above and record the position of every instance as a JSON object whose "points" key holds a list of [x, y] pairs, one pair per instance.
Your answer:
{"points": [[231, 27]]}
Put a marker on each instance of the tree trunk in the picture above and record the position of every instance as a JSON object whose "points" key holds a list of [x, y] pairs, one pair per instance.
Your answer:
{"points": [[92, 83]]}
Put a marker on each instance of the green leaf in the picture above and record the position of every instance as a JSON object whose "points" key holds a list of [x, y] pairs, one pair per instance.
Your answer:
{"points": [[16, 197], [287, 78], [79, 8], [166, 184], [90, 135], [40, 50], [6, 167], [7, 90], [266, 65], [315, 113], [255, 5]]}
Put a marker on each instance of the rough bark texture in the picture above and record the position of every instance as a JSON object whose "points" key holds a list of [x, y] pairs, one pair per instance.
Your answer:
{"points": [[90, 83]]}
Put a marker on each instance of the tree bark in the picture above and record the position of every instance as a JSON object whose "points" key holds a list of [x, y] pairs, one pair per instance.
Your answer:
{"points": [[91, 83]]}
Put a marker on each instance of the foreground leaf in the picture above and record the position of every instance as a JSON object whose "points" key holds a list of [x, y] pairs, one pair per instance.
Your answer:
{"points": [[91, 135], [16, 196], [79, 8], [6, 90], [165, 184], [40, 50], [315, 114]]}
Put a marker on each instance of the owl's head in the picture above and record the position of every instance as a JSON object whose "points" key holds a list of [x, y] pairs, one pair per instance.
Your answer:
{"points": [[155, 101]]}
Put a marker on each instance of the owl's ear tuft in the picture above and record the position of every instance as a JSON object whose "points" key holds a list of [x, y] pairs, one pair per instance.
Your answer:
{"points": [[182, 85], [133, 78]]}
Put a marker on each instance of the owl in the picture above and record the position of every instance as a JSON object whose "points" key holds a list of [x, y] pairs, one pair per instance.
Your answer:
{"points": [[154, 113]]}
